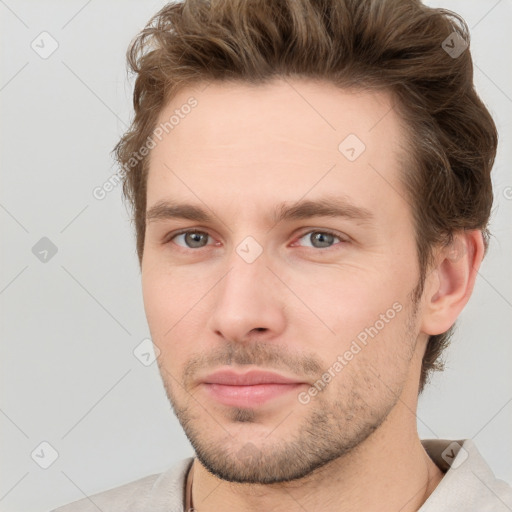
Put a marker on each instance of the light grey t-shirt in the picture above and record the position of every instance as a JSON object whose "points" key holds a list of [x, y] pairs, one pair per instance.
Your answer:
{"points": [[468, 485]]}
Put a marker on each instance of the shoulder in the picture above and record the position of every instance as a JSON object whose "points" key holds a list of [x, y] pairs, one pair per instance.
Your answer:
{"points": [[469, 483], [140, 495]]}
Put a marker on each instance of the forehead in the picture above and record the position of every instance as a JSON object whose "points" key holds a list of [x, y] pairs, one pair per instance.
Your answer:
{"points": [[285, 138], [301, 110]]}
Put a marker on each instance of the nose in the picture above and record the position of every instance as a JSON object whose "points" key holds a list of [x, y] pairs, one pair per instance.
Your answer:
{"points": [[248, 302]]}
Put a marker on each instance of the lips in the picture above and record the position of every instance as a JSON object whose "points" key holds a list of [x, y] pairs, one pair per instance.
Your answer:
{"points": [[251, 378], [250, 389]]}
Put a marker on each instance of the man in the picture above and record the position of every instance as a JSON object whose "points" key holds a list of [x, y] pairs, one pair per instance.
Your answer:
{"points": [[310, 184]]}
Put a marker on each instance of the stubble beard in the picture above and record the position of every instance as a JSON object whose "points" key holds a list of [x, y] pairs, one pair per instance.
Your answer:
{"points": [[324, 431]]}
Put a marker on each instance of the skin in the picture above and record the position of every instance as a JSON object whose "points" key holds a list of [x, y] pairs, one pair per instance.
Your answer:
{"points": [[241, 151]]}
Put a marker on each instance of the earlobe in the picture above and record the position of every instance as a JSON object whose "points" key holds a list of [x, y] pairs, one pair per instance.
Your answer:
{"points": [[449, 285]]}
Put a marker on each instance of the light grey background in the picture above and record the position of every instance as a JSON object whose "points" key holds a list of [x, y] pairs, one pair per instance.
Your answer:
{"points": [[70, 325]]}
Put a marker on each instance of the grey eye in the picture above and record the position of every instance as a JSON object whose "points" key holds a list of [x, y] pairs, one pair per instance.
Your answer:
{"points": [[320, 239], [193, 239]]}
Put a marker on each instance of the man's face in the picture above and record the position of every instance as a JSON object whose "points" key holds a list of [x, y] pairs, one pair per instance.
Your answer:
{"points": [[242, 291]]}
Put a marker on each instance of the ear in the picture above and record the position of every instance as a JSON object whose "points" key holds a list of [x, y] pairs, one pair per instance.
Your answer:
{"points": [[450, 283]]}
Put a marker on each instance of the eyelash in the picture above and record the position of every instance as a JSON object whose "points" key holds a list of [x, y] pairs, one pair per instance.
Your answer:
{"points": [[170, 238]]}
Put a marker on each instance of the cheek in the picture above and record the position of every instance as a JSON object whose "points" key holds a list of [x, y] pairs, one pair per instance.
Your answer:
{"points": [[348, 299], [155, 299], [165, 292], [164, 305], [173, 311], [371, 365], [362, 320]]}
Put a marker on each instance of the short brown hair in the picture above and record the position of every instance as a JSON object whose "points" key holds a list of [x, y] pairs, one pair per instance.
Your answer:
{"points": [[400, 46]]}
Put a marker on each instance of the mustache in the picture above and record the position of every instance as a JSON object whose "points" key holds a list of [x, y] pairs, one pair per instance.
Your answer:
{"points": [[265, 355]]}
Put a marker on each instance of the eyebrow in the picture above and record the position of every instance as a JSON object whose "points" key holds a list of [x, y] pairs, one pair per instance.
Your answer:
{"points": [[300, 210]]}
